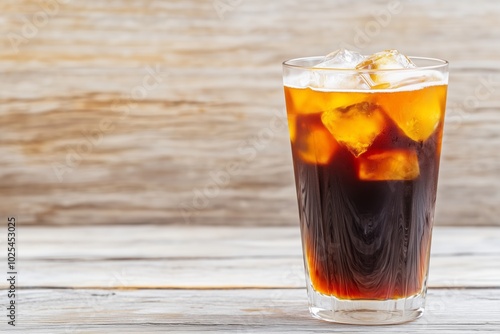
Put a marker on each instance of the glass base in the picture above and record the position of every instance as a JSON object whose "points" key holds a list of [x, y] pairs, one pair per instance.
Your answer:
{"points": [[366, 312]]}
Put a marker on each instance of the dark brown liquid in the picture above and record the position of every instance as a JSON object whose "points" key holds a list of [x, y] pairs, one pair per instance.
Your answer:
{"points": [[366, 239]]}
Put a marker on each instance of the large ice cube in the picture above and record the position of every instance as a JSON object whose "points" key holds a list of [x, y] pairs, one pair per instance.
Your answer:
{"points": [[416, 112], [385, 60], [356, 126], [292, 126], [305, 100], [312, 142], [340, 59], [311, 101], [388, 165]]}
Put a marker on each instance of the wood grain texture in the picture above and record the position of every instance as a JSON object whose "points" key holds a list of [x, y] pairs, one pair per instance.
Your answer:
{"points": [[171, 257], [198, 279], [234, 311], [219, 88]]}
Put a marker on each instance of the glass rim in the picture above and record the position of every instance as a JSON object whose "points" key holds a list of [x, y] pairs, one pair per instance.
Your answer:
{"points": [[439, 65]]}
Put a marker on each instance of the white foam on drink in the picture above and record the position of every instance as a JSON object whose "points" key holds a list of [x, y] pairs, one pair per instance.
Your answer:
{"points": [[434, 78]]}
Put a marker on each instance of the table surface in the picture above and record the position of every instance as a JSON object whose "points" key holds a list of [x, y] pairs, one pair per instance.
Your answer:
{"points": [[220, 90], [128, 279]]}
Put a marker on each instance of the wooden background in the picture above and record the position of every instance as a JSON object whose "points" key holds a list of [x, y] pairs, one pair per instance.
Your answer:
{"points": [[81, 70]]}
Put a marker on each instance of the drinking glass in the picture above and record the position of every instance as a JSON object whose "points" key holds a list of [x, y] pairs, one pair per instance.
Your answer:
{"points": [[366, 147]]}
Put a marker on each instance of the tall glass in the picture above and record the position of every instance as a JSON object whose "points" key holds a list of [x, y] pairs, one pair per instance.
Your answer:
{"points": [[366, 159]]}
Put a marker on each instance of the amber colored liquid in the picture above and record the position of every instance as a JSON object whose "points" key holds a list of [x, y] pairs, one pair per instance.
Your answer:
{"points": [[366, 215]]}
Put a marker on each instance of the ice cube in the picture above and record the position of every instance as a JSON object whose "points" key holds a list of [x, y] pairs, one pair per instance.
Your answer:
{"points": [[305, 100], [315, 145], [385, 60], [388, 165], [337, 81], [311, 101], [292, 127], [355, 126], [416, 112], [340, 59]]}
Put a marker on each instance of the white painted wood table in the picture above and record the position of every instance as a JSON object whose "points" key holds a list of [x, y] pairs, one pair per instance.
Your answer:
{"points": [[168, 279]]}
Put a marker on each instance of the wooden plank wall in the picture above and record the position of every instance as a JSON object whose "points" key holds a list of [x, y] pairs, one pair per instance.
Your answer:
{"points": [[125, 111]]}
